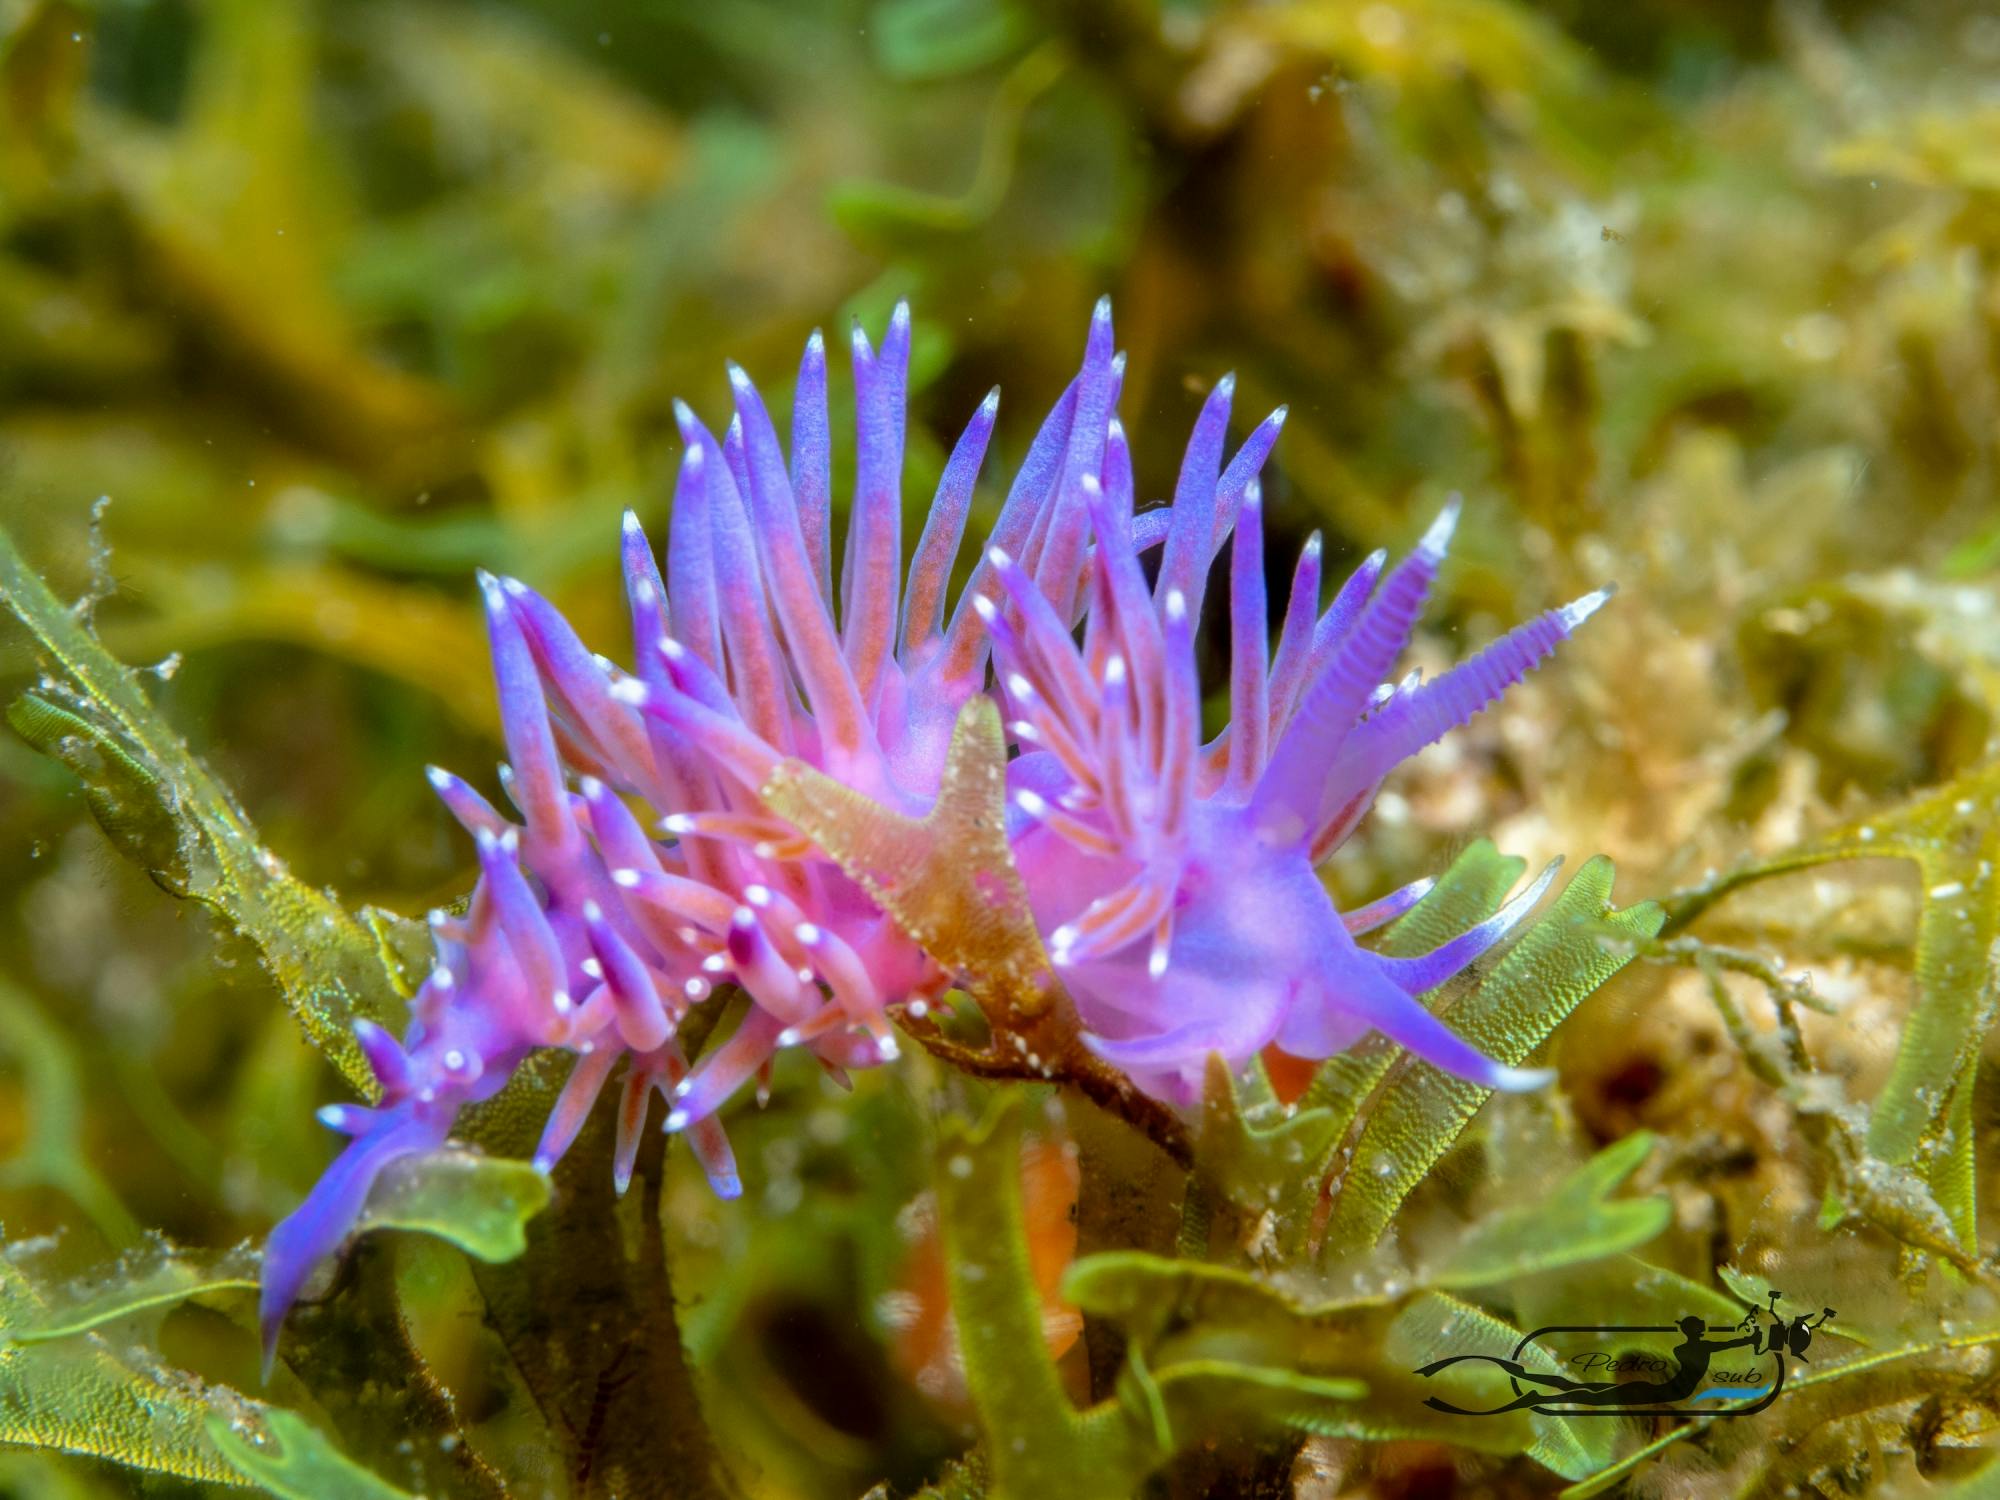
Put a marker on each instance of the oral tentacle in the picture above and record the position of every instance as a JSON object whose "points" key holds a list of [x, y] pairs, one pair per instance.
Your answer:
{"points": [[1427, 971], [1380, 913], [1359, 993]]}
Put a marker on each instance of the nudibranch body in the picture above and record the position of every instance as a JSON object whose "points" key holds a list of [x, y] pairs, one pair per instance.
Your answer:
{"points": [[1173, 882]]}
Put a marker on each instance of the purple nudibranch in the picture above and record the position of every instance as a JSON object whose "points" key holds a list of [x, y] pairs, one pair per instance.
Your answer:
{"points": [[1173, 881]]}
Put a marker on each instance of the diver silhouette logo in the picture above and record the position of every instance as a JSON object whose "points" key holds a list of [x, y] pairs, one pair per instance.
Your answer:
{"points": [[1625, 1370]]}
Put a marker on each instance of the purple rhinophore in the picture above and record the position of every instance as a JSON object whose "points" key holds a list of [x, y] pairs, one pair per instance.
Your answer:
{"points": [[1173, 881]]}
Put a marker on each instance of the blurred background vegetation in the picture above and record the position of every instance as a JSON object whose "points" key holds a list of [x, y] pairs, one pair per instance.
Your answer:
{"points": [[307, 310]]}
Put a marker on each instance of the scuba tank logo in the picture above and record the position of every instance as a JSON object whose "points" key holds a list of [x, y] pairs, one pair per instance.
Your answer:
{"points": [[1684, 1368]]}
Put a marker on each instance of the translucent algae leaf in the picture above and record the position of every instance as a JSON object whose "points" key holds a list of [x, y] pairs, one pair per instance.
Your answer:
{"points": [[1139, 1290], [481, 1204], [157, 1277], [1263, 1163], [1184, 1313], [1436, 1325], [1618, 1289], [92, 1395], [165, 810], [923, 39], [1220, 1389], [890, 212], [295, 1462], [1560, 961], [1579, 1221], [79, 1373], [1913, 1371], [1037, 1442], [121, 793]]}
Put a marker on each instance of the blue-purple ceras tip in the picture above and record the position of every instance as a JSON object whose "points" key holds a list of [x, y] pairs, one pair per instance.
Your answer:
{"points": [[1173, 880]]}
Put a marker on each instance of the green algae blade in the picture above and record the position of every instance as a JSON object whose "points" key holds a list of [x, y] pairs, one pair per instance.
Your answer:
{"points": [[1168, 1397], [158, 1277], [96, 1396], [53, 1151], [1578, 1221], [162, 808], [1560, 961], [1037, 1442], [482, 1204], [294, 1461]]}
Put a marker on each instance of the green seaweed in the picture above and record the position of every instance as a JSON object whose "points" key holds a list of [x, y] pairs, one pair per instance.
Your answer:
{"points": [[1920, 1119], [1036, 1441], [159, 1277], [52, 1153], [1512, 1010], [102, 1397], [291, 1459], [479, 1203], [186, 830], [1578, 1221]]}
